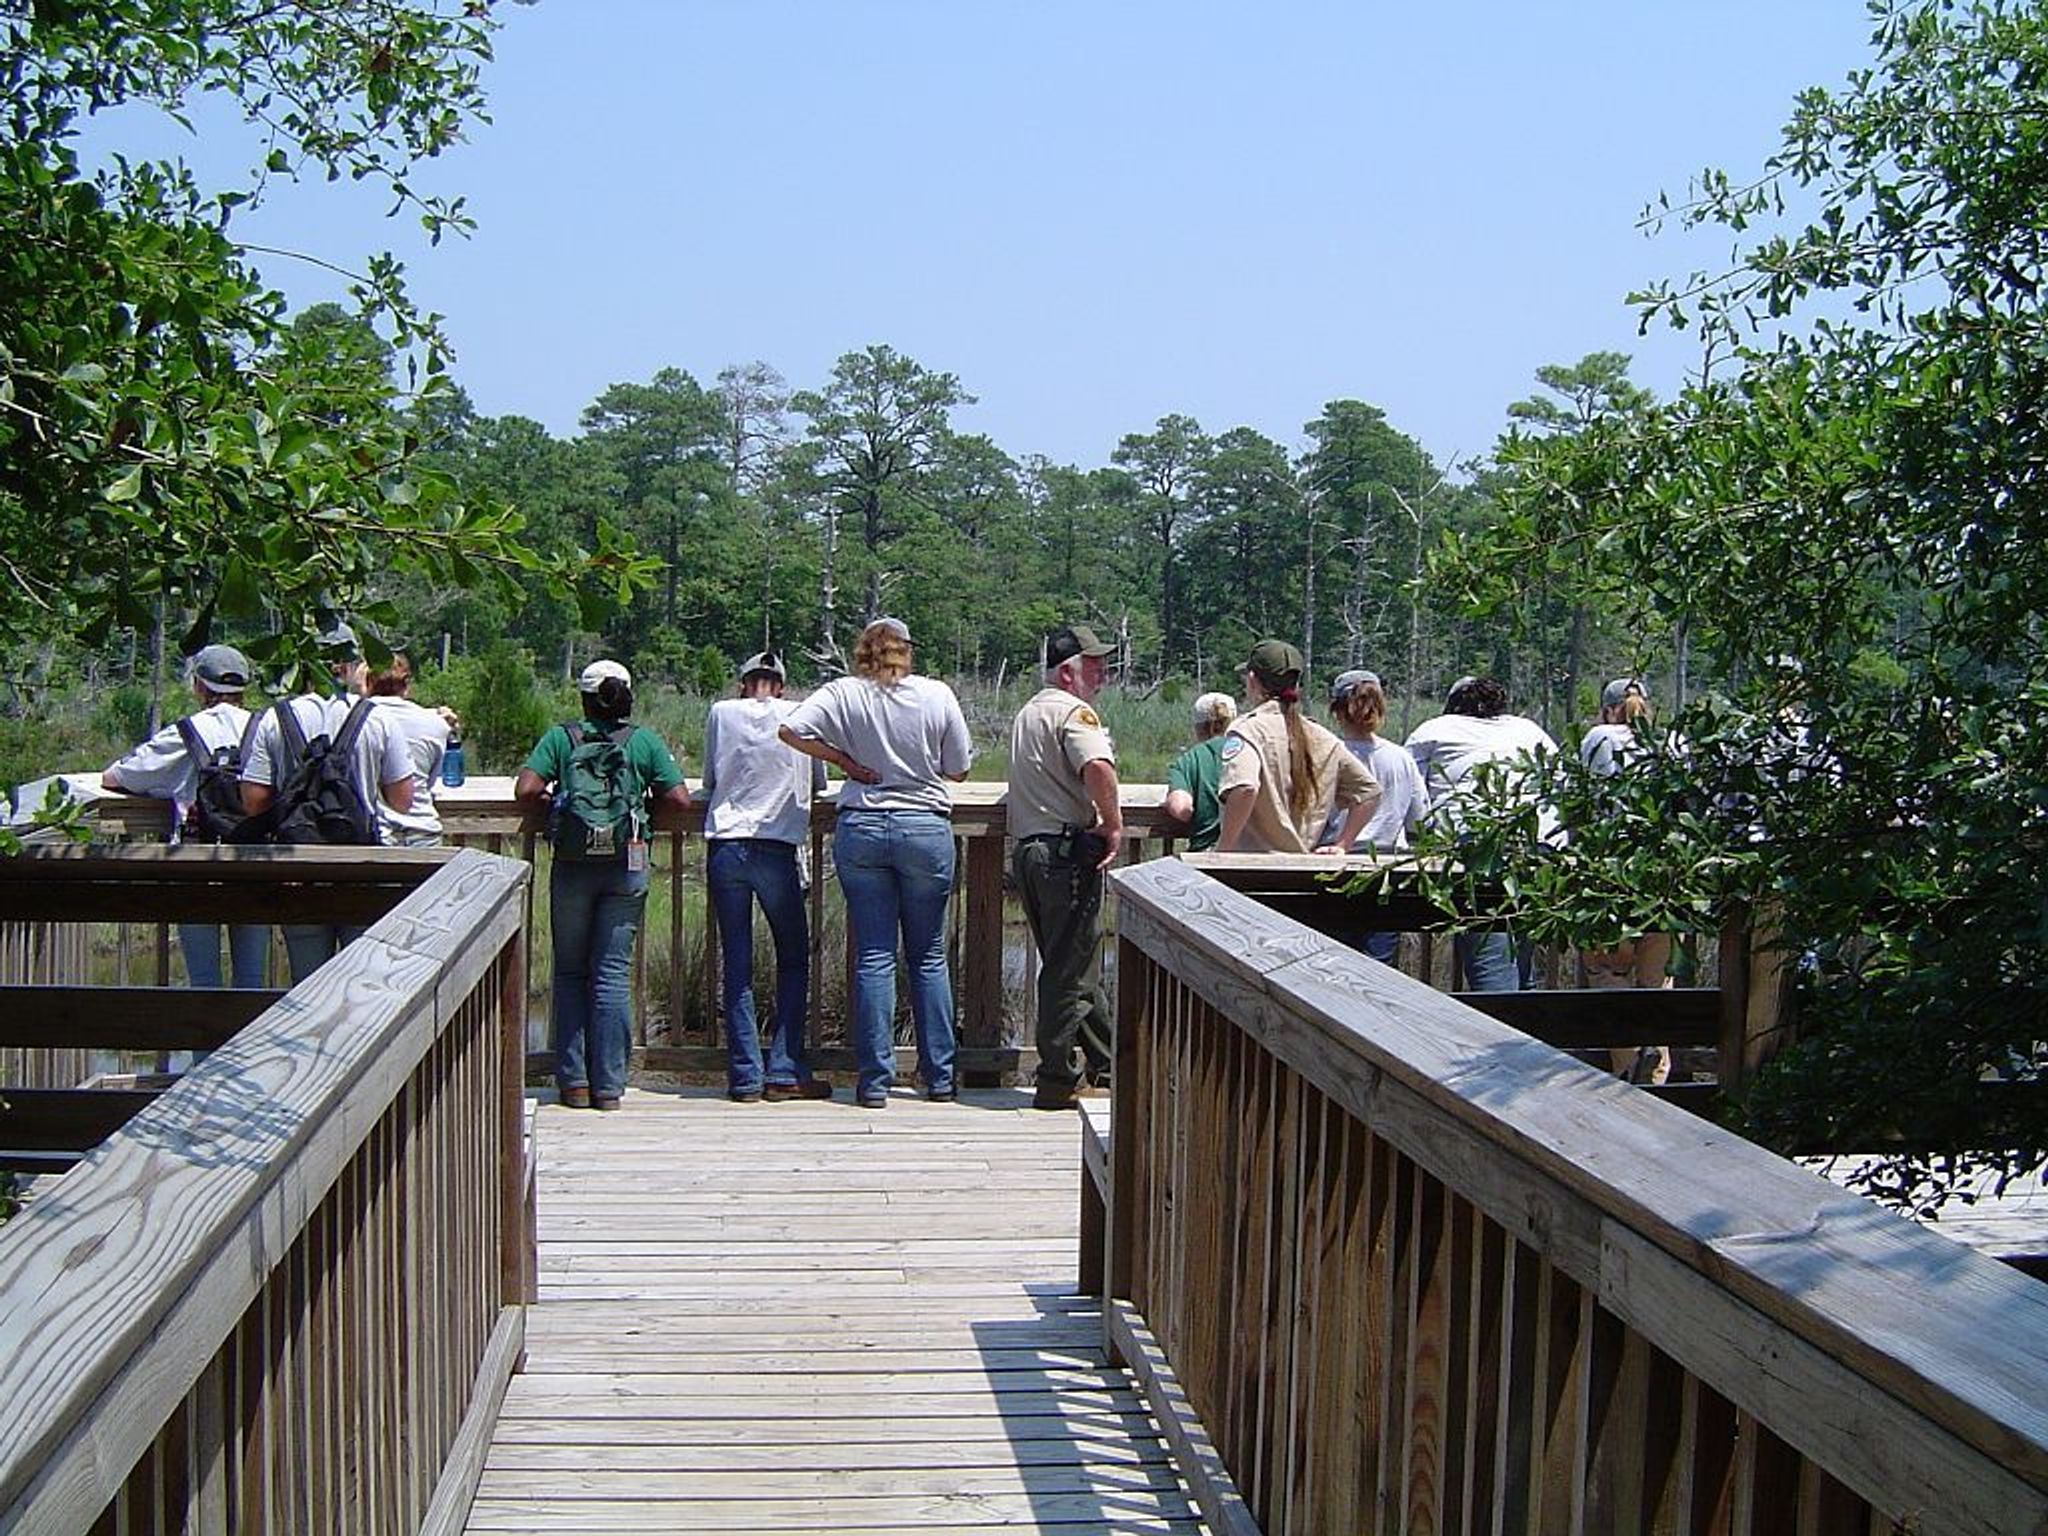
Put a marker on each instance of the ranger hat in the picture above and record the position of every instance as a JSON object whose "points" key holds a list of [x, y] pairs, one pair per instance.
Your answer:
{"points": [[1614, 693], [1348, 683], [1071, 640], [222, 667], [763, 662], [595, 674]]}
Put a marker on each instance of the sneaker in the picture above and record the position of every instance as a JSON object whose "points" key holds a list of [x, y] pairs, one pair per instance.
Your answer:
{"points": [[782, 1093], [604, 1103], [942, 1095], [744, 1095], [576, 1098], [873, 1101]]}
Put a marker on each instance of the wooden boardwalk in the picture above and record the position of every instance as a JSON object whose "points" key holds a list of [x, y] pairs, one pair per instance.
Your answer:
{"points": [[816, 1318]]}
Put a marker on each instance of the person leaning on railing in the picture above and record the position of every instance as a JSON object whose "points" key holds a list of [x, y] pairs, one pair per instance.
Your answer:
{"points": [[1607, 748], [596, 891], [423, 733], [1282, 773], [164, 766], [1358, 706], [898, 738], [1191, 800]]}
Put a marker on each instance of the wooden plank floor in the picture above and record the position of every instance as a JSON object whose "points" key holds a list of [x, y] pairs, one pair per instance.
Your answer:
{"points": [[817, 1318]]}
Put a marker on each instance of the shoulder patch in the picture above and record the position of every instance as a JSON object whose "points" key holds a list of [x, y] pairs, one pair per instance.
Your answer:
{"points": [[1232, 745], [1088, 717]]}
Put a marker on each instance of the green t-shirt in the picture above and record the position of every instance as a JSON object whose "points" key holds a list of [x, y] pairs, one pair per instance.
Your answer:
{"points": [[645, 753], [1198, 771]]}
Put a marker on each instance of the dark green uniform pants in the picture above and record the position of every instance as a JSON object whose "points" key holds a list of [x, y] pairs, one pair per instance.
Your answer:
{"points": [[1062, 894]]}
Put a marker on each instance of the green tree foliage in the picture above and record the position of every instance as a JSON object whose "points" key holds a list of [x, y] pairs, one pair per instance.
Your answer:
{"points": [[166, 437], [1848, 511]]}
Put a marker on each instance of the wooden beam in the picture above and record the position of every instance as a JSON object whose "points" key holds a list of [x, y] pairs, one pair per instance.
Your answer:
{"points": [[1589, 1018], [126, 1018], [67, 1119]]}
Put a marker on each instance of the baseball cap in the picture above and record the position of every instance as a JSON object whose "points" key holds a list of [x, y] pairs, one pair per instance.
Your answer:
{"points": [[340, 640], [1612, 695], [1347, 683], [1276, 658], [597, 672], [222, 666], [763, 661], [1071, 640], [895, 627]]}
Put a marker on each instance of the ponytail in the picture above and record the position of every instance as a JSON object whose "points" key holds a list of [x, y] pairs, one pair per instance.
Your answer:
{"points": [[1303, 787]]}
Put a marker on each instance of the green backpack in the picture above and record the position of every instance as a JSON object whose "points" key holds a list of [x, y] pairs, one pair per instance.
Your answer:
{"points": [[600, 804]]}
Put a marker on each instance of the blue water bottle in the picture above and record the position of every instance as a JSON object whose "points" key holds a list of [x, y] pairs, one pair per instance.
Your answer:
{"points": [[451, 763]]}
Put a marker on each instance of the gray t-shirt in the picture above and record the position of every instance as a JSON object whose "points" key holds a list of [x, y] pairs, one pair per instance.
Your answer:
{"points": [[911, 732], [423, 735], [381, 757], [162, 767], [755, 784]]}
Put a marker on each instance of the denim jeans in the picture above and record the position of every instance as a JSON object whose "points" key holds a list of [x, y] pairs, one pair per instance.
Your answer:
{"points": [[308, 946], [739, 871], [896, 868], [594, 908], [1493, 962], [1381, 946], [248, 948]]}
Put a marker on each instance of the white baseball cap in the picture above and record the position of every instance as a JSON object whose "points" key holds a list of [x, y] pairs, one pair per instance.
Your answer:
{"points": [[595, 674]]}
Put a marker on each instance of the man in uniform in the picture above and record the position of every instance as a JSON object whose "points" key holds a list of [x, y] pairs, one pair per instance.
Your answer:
{"points": [[1067, 819]]}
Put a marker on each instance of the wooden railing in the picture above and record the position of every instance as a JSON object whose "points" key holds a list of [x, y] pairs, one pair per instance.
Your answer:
{"points": [[1411, 1270], [286, 1293], [677, 1026]]}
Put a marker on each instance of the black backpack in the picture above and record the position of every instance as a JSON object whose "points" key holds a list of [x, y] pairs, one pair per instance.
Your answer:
{"points": [[216, 814], [318, 799]]}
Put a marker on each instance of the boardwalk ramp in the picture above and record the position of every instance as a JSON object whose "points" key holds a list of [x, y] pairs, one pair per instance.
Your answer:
{"points": [[816, 1318]]}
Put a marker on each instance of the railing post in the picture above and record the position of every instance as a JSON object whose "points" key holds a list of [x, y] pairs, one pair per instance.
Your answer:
{"points": [[1119, 1268], [517, 1261], [983, 968]]}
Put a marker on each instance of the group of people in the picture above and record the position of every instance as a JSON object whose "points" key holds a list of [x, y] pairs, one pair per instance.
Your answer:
{"points": [[222, 766], [1265, 778]]}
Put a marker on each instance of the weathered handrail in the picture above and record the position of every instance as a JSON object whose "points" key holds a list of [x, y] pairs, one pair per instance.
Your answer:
{"points": [[1416, 1271], [482, 813], [286, 1294]]}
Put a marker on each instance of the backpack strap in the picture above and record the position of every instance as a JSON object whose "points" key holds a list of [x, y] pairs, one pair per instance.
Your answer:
{"points": [[573, 729], [358, 714], [195, 748], [292, 737]]}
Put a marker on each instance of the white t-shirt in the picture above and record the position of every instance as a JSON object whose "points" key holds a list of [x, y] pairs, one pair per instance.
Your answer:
{"points": [[423, 735], [161, 766], [755, 784], [1403, 799], [1450, 749], [380, 751], [911, 732]]}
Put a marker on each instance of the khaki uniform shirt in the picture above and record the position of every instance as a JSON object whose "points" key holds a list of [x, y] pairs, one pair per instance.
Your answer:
{"points": [[1255, 758], [1053, 738]]}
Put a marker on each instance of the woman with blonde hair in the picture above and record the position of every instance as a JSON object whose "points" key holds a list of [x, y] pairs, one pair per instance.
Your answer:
{"points": [[898, 738], [1283, 774], [1192, 778], [1607, 748]]}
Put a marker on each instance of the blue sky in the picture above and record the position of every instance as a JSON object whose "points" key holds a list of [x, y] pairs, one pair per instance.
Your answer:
{"points": [[1093, 213]]}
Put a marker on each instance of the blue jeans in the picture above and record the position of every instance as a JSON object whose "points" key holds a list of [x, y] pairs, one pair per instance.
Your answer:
{"points": [[308, 946], [740, 870], [1380, 946], [896, 868], [248, 948], [594, 909], [1493, 962]]}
